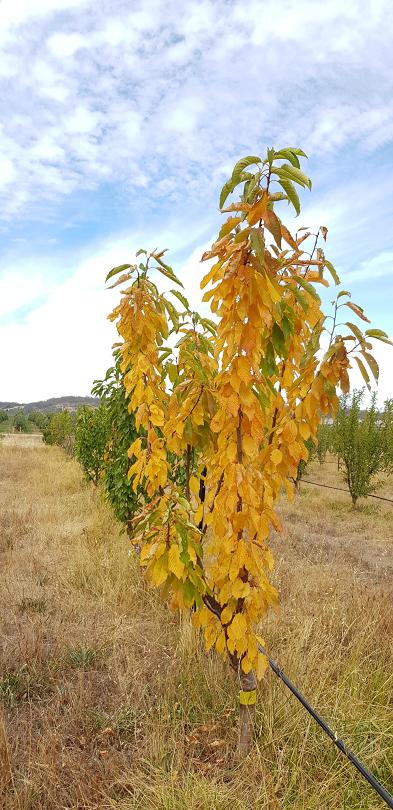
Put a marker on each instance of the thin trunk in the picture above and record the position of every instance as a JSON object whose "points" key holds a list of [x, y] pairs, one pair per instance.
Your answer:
{"points": [[246, 714], [188, 471]]}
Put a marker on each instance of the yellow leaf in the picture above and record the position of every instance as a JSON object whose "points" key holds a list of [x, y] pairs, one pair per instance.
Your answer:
{"points": [[227, 614], [221, 643], [194, 485], [304, 431], [276, 457], [158, 572], [240, 589], [174, 562], [237, 628], [261, 665], [290, 432], [258, 210]]}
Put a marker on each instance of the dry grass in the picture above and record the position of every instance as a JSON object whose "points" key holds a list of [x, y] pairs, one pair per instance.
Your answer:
{"points": [[108, 701]]}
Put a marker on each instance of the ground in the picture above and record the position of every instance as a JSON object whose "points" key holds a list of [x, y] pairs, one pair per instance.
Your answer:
{"points": [[109, 701]]}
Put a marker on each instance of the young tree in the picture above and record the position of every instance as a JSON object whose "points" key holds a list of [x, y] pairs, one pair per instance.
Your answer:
{"points": [[91, 436], [361, 445], [20, 422], [60, 430], [3, 416], [244, 396], [39, 419], [387, 431], [121, 434], [324, 445]]}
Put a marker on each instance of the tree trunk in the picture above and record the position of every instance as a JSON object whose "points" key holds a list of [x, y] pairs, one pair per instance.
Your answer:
{"points": [[246, 713]]}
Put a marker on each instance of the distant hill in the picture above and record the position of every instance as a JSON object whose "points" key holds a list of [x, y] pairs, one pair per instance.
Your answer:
{"points": [[51, 405]]}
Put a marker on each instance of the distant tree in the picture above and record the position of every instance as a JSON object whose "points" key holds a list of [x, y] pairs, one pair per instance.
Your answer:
{"points": [[360, 443], [3, 416], [20, 422], [60, 430], [121, 433], [39, 419], [387, 431], [324, 444], [91, 436]]}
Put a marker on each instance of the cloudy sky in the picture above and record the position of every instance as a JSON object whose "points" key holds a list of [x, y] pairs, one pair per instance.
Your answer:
{"points": [[122, 119]]}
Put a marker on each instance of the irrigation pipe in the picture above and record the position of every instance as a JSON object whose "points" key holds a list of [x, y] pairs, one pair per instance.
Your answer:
{"points": [[370, 778], [340, 489]]}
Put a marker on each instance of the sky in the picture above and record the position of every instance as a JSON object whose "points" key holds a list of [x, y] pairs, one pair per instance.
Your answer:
{"points": [[122, 120]]}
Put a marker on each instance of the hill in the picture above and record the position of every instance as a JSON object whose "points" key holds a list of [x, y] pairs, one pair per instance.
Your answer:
{"points": [[51, 405]]}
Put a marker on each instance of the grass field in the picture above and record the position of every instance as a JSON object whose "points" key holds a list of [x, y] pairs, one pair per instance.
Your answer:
{"points": [[109, 701]]}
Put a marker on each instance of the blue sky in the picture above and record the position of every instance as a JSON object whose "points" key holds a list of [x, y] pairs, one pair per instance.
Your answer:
{"points": [[120, 123]]}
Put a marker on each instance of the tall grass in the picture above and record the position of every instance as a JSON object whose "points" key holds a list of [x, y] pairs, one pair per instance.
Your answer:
{"points": [[107, 700]]}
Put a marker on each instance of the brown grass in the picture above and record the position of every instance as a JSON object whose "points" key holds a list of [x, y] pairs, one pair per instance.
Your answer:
{"points": [[109, 701]]}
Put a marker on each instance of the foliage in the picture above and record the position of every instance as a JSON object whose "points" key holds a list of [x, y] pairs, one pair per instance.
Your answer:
{"points": [[60, 430], [387, 432], [91, 436], [3, 416], [39, 419], [324, 443], [244, 395], [20, 422], [361, 444], [121, 433]]}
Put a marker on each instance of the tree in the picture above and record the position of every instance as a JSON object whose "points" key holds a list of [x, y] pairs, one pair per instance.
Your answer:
{"points": [[61, 430], [39, 419], [324, 445], [360, 440], [243, 396], [20, 422], [91, 436], [387, 430], [121, 434], [3, 416]]}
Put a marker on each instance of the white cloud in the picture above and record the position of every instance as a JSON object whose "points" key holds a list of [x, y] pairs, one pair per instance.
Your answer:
{"points": [[65, 343], [190, 85], [7, 170]]}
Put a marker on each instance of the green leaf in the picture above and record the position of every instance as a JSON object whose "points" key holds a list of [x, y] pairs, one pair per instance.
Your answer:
{"points": [[333, 273], [287, 154], [140, 251], [277, 196], [291, 194], [278, 339], [167, 271], [250, 189], [300, 298], [287, 327], [258, 243], [173, 314], [241, 165], [376, 333], [308, 287], [288, 172], [226, 191], [181, 298], [116, 270], [273, 224], [356, 331], [372, 363], [363, 371], [209, 325], [343, 292], [297, 151]]}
